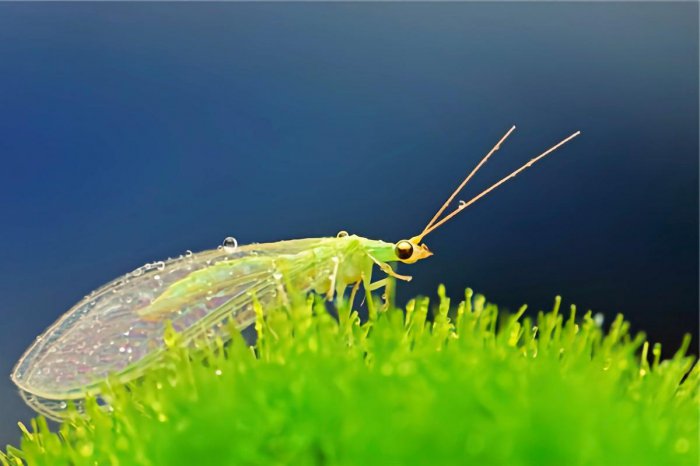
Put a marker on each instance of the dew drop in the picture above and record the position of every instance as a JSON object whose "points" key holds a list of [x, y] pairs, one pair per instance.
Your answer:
{"points": [[122, 349], [342, 234], [462, 203], [137, 272], [160, 265], [230, 242], [188, 253]]}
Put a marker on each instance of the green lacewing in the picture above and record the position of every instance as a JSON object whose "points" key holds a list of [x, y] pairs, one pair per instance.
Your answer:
{"points": [[119, 328]]}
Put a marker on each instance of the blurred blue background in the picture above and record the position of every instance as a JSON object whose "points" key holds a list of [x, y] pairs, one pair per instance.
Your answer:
{"points": [[132, 132]]}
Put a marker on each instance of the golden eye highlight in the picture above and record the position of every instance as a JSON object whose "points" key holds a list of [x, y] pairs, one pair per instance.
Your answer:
{"points": [[403, 249]]}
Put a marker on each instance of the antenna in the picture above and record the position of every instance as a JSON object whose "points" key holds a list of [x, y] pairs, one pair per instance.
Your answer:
{"points": [[432, 226], [466, 180]]}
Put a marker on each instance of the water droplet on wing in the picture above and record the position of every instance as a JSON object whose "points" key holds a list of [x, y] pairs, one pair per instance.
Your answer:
{"points": [[230, 244]]}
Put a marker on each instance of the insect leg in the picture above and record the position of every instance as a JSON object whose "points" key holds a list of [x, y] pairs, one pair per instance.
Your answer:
{"points": [[389, 293], [378, 284], [367, 283], [386, 268], [388, 284], [355, 287]]}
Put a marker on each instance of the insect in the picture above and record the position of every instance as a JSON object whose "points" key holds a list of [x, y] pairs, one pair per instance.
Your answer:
{"points": [[119, 328]]}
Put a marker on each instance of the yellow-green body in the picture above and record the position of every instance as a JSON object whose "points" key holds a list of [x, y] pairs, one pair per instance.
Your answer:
{"points": [[324, 265], [119, 328]]}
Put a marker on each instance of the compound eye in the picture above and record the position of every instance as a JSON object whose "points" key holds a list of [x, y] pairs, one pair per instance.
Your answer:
{"points": [[403, 249]]}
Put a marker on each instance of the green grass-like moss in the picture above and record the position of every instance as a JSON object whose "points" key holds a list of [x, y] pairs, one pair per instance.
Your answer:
{"points": [[472, 388]]}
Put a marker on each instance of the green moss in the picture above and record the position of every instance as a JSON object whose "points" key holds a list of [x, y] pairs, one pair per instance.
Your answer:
{"points": [[472, 388]]}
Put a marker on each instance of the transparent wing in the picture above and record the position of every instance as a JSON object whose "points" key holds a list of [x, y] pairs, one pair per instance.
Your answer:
{"points": [[120, 327]]}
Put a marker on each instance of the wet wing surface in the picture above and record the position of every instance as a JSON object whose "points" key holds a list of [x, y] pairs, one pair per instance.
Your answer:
{"points": [[122, 323]]}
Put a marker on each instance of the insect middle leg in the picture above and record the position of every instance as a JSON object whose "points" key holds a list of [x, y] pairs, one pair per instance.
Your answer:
{"points": [[367, 284], [353, 293]]}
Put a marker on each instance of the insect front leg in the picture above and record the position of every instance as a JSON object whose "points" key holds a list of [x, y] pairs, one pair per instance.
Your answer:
{"points": [[386, 268]]}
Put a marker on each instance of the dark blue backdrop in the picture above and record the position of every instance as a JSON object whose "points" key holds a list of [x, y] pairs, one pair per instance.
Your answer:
{"points": [[131, 132]]}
